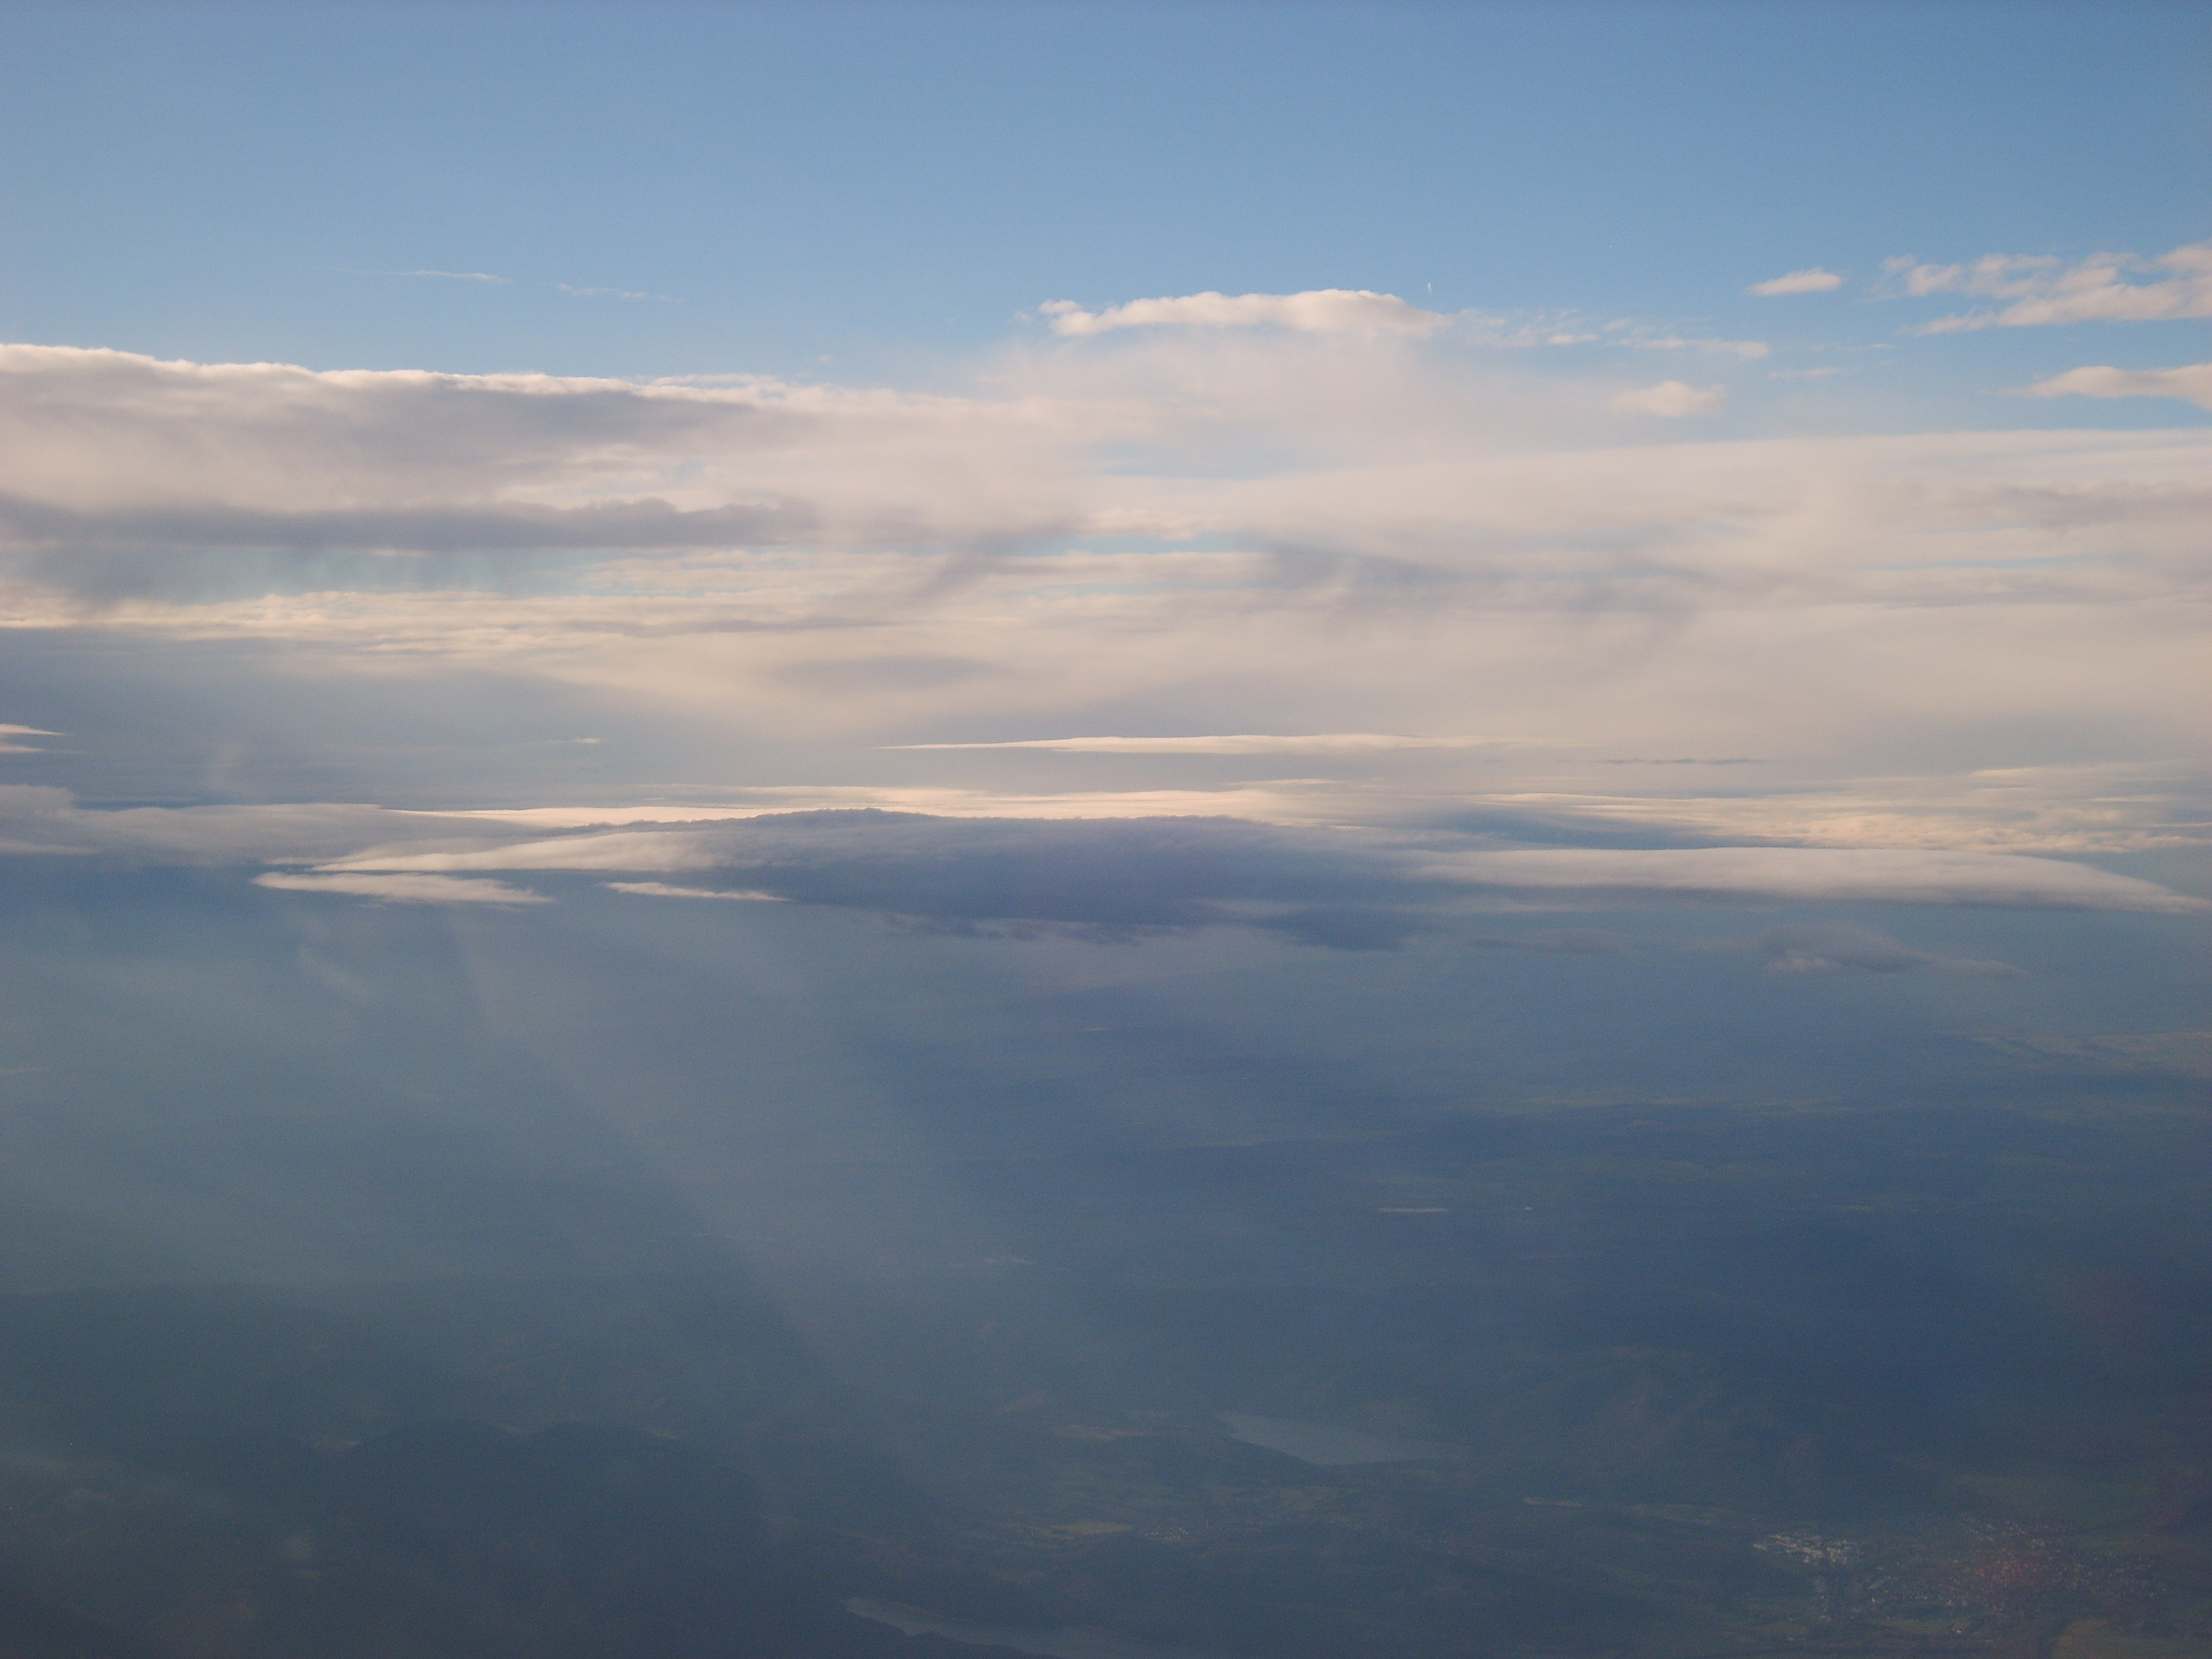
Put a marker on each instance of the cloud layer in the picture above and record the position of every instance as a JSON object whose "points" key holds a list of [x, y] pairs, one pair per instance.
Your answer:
{"points": [[1345, 580], [1327, 884]]}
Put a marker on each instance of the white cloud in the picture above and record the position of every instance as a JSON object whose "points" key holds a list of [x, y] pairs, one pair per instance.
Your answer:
{"points": [[2042, 290], [1107, 858], [807, 847], [1679, 342], [461, 276], [662, 890], [1318, 311], [2193, 383], [404, 889], [1204, 532], [1818, 875], [1812, 280], [8, 731], [1671, 399], [1318, 743]]}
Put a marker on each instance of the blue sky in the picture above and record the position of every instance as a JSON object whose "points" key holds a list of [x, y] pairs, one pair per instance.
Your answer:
{"points": [[875, 191]]}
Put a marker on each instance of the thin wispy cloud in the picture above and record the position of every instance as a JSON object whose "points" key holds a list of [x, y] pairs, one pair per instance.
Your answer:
{"points": [[403, 889], [454, 276], [1811, 280], [1826, 950], [1317, 743], [608, 294], [663, 889], [1678, 342], [2190, 383], [2043, 290], [1319, 311], [1671, 400]]}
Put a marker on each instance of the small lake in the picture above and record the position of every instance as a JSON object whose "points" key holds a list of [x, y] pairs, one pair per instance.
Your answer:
{"points": [[1068, 1643], [1321, 1442]]}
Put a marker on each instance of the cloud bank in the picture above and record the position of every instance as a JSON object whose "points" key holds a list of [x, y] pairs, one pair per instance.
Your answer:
{"points": [[1362, 549]]}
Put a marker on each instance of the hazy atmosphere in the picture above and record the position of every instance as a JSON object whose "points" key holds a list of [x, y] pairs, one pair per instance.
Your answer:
{"points": [[1132, 832]]}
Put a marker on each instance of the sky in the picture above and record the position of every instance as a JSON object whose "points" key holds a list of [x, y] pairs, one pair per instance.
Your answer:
{"points": [[1650, 502]]}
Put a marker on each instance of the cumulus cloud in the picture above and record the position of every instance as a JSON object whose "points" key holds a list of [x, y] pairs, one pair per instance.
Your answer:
{"points": [[403, 889], [1672, 399], [1811, 280], [1318, 311], [2193, 383], [1829, 949], [2038, 290]]}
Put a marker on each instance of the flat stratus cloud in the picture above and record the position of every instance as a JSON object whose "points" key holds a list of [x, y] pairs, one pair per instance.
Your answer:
{"points": [[1002, 864], [1811, 280], [1200, 530], [1671, 399], [104, 453], [1820, 875], [403, 889], [2193, 383], [663, 889], [1351, 886], [461, 276], [2041, 290], [1314, 742], [1820, 950], [1318, 311]]}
